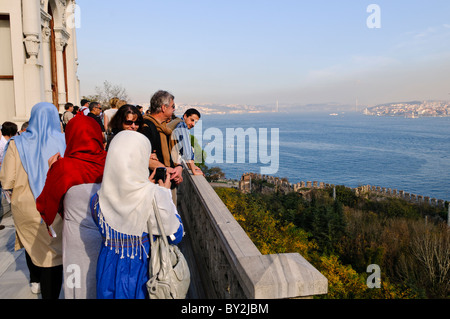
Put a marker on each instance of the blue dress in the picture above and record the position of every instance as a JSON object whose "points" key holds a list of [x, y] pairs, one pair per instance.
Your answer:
{"points": [[122, 266]]}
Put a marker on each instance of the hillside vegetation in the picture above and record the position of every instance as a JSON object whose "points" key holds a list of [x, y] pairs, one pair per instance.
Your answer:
{"points": [[342, 237]]}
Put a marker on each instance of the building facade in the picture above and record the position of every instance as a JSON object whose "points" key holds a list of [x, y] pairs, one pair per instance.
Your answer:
{"points": [[38, 56]]}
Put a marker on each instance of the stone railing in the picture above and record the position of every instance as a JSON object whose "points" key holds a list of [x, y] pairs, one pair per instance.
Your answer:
{"points": [[229, 264]]}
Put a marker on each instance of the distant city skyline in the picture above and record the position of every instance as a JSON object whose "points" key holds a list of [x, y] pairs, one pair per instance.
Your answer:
{"points": [[288, 52]]}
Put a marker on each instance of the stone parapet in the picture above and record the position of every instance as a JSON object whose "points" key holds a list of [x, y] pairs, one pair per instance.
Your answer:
{"points": [[229, 263]]}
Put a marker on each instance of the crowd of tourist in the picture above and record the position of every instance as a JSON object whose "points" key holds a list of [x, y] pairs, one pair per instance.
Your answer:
{"points": [[81, 187]]}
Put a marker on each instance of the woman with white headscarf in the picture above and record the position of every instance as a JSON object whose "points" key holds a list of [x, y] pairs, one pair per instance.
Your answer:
{"points": [[24, 171], [121, 209]]}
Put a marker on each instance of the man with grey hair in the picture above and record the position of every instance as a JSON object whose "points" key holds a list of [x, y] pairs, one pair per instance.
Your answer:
{"points": [[162, 106]]}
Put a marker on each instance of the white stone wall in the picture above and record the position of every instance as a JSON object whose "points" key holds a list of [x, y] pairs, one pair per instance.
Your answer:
{"points": [[27, 36]]}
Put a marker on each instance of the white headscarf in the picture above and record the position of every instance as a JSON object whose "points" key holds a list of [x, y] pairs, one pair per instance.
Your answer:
{"points": [[126, 194]]}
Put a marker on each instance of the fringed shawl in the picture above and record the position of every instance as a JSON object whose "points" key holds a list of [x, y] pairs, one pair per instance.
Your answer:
{"points": [[126, 195]]}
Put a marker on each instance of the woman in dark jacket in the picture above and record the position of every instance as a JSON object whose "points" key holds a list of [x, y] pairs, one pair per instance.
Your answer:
{"points": [[127, 117]]}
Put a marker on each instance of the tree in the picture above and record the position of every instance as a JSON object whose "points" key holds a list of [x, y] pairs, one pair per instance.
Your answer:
{"points": [[108, 91], [431, 249], [213, 174], [199, 154], [269, 234], [341, 242]]}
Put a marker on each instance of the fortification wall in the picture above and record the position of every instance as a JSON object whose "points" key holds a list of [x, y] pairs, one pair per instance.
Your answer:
{"points": [[282, 183]]}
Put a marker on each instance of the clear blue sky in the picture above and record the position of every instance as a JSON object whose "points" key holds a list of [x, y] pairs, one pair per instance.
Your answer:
{"points": [[258, 51]]}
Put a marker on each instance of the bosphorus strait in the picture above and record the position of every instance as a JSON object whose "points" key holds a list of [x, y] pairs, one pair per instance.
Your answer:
{"points": [[350, 149]]}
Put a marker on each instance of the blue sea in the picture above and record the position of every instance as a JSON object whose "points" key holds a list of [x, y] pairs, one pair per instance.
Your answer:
{"points": [[349, 149]]}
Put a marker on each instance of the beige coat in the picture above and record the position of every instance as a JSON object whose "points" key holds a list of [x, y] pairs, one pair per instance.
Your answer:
{"points": [[31, 234]]}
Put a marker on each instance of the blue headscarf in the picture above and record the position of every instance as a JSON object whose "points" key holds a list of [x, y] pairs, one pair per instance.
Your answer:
{"points": [[42, 140]]}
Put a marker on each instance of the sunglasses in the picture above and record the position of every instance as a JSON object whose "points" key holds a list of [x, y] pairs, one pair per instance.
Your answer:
{"points": [[131, 123]]}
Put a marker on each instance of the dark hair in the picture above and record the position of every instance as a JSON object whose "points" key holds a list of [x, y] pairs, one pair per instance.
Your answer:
{"points": [[9, 129], [68, 106], [116, 123], [191, 112], [83, 102], [92, 105], [75, 109]]}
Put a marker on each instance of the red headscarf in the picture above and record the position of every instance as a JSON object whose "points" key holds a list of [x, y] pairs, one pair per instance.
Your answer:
{"points": [[83, 163]]}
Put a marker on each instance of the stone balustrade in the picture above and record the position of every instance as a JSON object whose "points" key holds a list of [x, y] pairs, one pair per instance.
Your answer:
{"points": [[229, 264]]}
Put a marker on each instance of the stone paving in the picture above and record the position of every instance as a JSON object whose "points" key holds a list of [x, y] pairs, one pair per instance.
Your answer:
{"points": [[14, 275]]}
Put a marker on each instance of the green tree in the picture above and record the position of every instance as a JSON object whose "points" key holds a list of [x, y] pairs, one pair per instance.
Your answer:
{"points": [[213, 174], [199, 153]]}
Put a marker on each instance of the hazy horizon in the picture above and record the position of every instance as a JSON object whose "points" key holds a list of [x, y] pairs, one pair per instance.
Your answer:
{"points": [[261, 52]]}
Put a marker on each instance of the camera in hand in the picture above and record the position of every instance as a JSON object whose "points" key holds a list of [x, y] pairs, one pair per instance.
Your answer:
{"points": [[160, 174]]}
